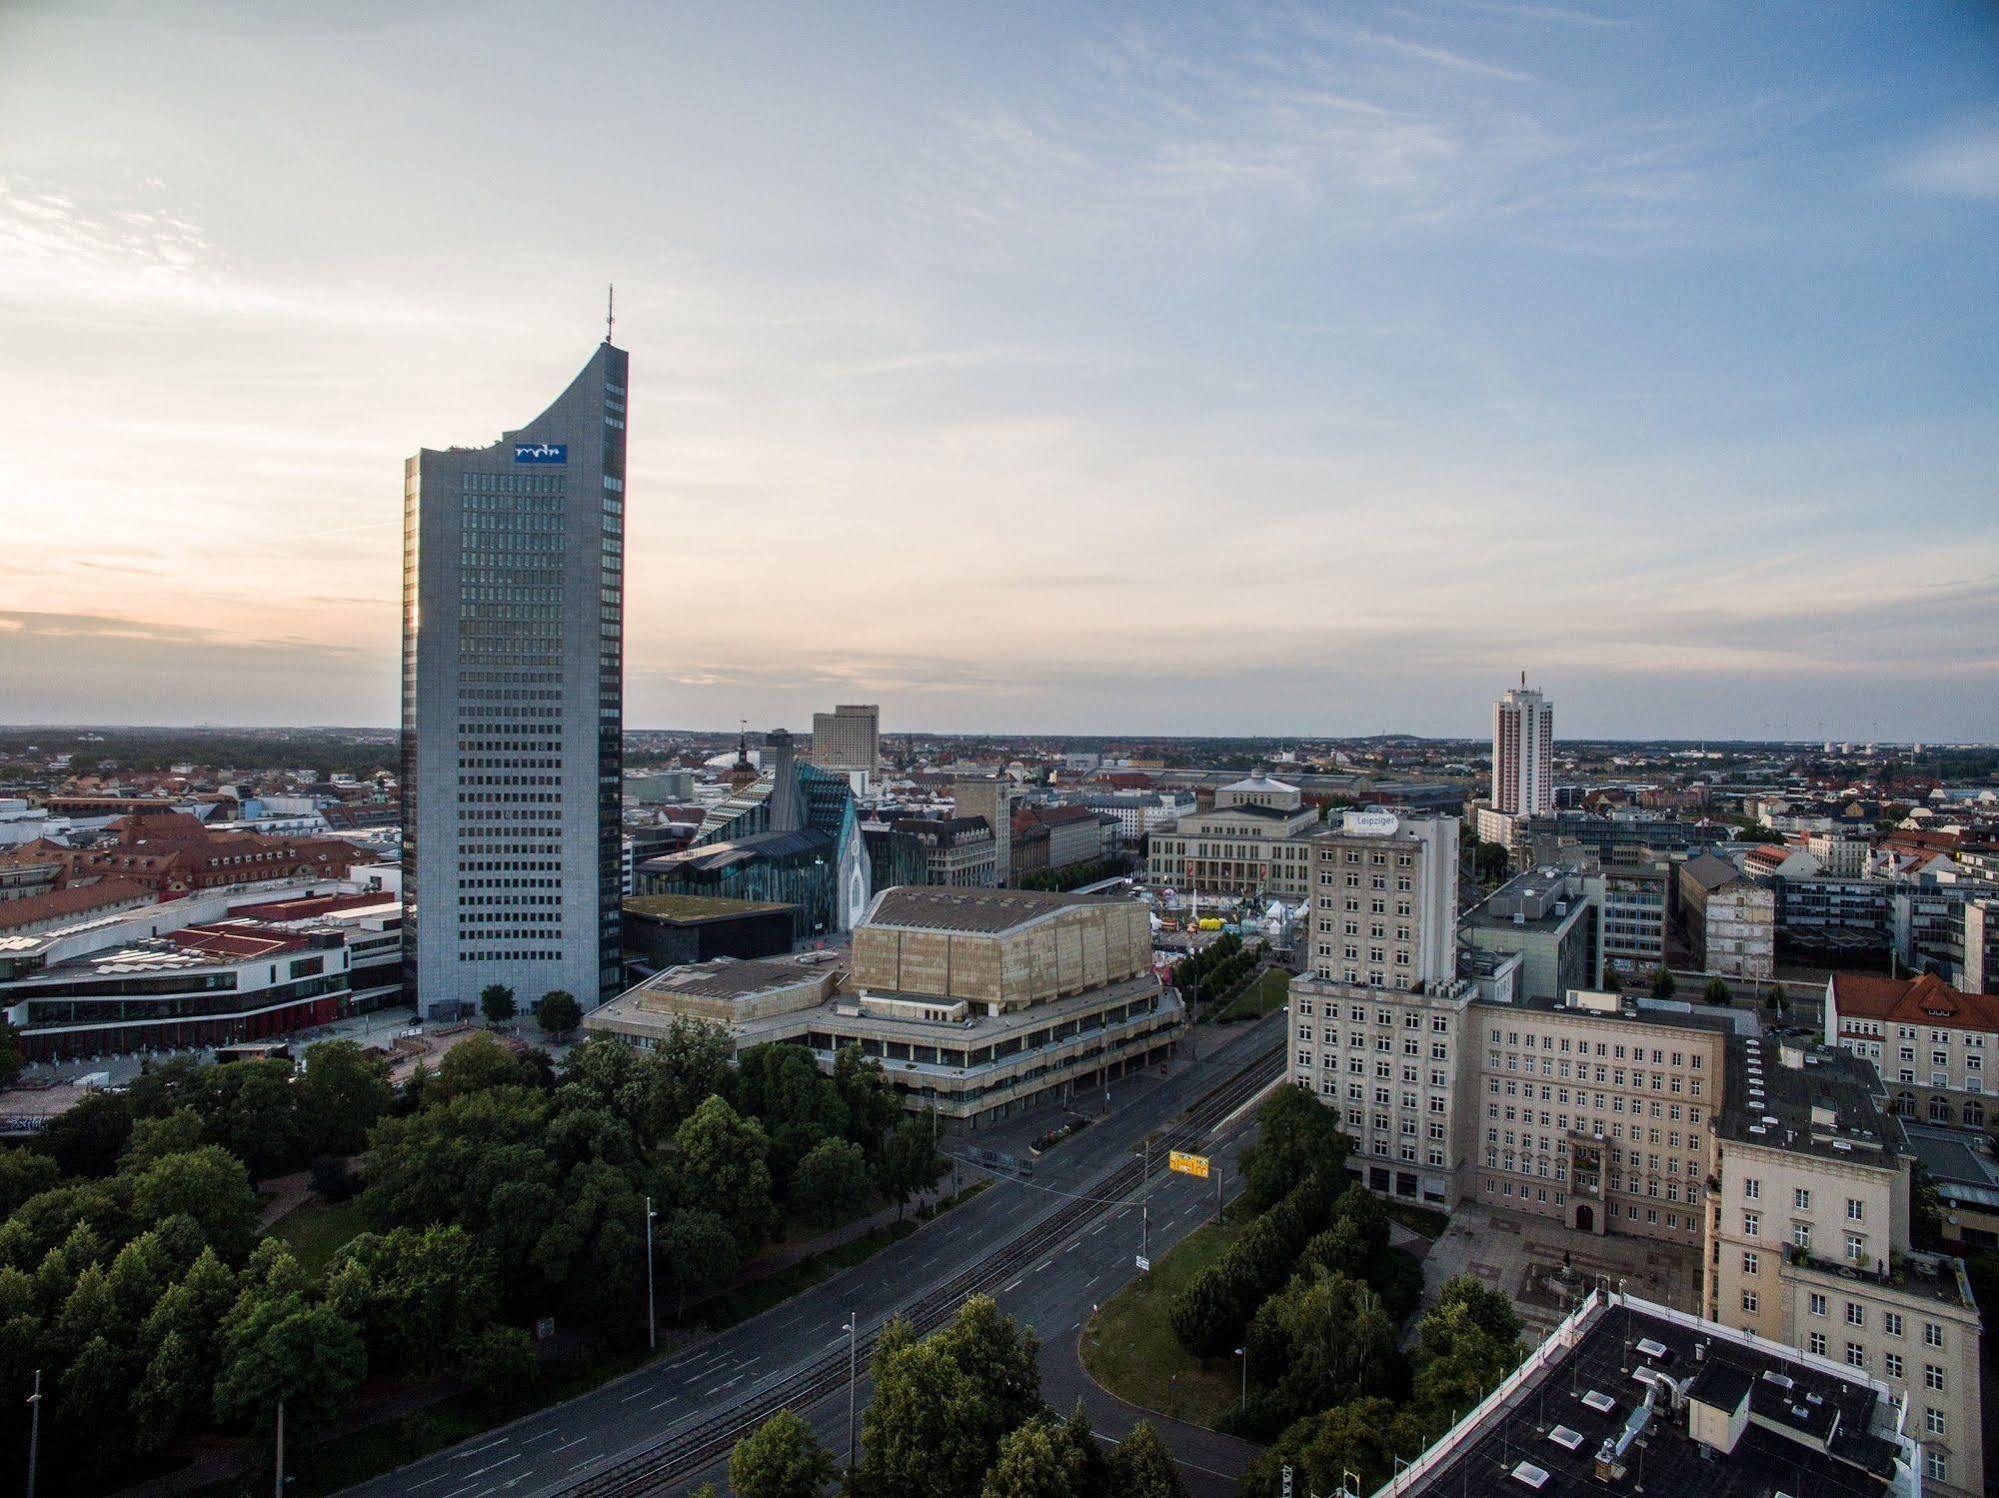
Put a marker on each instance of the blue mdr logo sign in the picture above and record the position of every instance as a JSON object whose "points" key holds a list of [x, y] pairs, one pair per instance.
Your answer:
{"points": [[541, 452]]}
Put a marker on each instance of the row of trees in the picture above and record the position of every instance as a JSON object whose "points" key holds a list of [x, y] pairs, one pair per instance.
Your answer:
{"points": [[1388, 1406], [263, 1112], [557, 1011], [1075, 875], [957, 1414], [495, 1192], [131, 1274], [1220, 968]]}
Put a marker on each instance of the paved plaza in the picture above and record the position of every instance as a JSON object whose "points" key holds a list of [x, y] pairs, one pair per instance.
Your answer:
{"points": [[1522, 1256]]}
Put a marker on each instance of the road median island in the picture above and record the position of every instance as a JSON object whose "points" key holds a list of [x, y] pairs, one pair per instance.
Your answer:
{"points": [[1129, 1350]]}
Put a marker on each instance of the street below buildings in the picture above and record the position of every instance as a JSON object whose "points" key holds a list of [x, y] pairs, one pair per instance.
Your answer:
{"points": [[1048, 1249]]}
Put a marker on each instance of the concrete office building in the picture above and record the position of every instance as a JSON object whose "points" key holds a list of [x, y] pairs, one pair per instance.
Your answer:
{"points": [[848, 738], [1523, 752], [513, 704], [1632, 896], [978, 1002], [1808, 1244], [1949, 927]]}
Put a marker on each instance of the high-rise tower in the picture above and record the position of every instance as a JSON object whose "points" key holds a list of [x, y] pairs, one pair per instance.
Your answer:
{"points": [[513, 704], [1523, 752]]}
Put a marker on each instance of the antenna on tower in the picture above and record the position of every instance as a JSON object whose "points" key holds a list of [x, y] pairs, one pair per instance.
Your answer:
{"points": [[610, 311], [1523, 679]]}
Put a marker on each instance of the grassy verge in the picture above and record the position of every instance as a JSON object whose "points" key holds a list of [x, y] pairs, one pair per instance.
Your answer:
{"points": [[316, 1230], [1262, 997], [1130, 1349], [1425, 1220]]}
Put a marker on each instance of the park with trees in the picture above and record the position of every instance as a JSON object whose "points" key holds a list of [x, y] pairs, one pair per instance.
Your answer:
{"points": [[493, 1193]]}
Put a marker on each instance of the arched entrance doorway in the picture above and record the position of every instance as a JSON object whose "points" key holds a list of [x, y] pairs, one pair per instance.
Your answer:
{"points": [[1585, 1218]]}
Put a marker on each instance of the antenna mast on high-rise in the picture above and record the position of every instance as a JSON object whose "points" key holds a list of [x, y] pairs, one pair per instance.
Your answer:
{"points": [[610, 311]]}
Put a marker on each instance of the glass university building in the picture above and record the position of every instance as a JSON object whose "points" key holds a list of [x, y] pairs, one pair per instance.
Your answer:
{"points": [[513, 704]]}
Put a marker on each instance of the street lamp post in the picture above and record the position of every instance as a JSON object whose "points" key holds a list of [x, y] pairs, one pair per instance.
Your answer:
{"points": [[1243, 1353], [34, 1430], [1145, 1204], [852, 1329], [652, 1319], [278, 1481]]}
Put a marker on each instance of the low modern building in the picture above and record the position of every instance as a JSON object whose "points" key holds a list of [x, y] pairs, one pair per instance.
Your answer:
{"points": [[1808, 1245], [977, 1002], [663, 931], [1926, 1042], [1547, 915], [1829, 913], [742, 996], [1961, 1166], [1627, 1395], [192, 986]]}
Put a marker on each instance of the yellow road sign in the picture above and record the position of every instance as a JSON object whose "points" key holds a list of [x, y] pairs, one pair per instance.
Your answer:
{"points": [[1188, 1165]]}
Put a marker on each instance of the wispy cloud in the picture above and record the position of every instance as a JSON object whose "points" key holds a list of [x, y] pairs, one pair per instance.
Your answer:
{"points": [[1961, 165], [132, 257]]}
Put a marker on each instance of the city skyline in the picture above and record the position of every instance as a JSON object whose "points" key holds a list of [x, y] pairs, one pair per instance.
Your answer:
{"points": [[1262, 372]]}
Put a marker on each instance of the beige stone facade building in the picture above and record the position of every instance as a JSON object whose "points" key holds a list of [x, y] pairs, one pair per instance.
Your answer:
{"points": [[1378, 1018], [1233, 851], [1597, 1112], [1808, 1244]]}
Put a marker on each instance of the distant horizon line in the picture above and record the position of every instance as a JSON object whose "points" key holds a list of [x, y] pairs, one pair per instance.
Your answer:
{"points": [[938, 733]]}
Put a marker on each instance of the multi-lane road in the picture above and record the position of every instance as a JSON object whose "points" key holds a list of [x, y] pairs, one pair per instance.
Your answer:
{"points": [[1047, 1249]]}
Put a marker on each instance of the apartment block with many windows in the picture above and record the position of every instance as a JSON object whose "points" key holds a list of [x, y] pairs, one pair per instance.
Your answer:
{"points": [[1378, 1018], [1598, 1112], [1927, 1042], [1808, 1244]]}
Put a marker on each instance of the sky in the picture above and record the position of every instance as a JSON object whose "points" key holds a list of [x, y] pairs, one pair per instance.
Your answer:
{"points": [[1207, 369]]}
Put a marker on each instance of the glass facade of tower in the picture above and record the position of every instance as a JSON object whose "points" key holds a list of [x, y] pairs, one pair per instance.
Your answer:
{"points": [[513, 702]]}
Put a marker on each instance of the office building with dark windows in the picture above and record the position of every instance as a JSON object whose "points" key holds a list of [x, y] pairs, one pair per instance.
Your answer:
{"points": [[513, 704]]}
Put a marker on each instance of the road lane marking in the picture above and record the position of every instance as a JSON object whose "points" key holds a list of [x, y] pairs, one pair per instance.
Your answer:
{"points": [[1011, 1288], [458, 1456], [567, 1444], [529, 1440]]}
